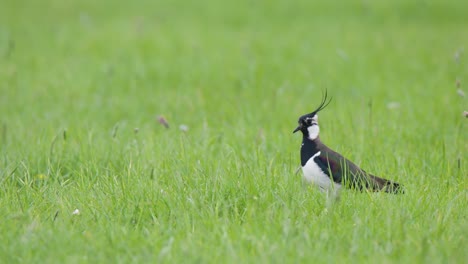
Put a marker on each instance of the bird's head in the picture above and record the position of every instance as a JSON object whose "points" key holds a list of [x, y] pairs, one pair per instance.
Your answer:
{"points": [[308, 123]]}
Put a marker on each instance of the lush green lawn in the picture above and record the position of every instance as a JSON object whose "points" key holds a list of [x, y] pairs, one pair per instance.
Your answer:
{"points": [[82, 85]]}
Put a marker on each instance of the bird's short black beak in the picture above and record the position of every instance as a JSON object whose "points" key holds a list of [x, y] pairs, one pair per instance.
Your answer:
{"points": [[297, 129]]}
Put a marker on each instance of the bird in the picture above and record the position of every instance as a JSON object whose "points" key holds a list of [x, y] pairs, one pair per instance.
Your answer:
{"points": [[328, 169]]}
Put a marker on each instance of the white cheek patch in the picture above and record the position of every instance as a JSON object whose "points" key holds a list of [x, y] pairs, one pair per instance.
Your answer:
{"points": [[315, 119], [313, 131]]}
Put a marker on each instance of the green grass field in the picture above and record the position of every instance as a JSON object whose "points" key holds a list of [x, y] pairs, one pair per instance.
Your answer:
{"points": [[82, 84]]}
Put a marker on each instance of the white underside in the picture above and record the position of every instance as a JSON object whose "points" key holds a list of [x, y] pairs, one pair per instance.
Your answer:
{"points": [[314, 174]]}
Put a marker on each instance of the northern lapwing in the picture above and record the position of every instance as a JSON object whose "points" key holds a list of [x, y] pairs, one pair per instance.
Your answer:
{"points": [[328, 169]]}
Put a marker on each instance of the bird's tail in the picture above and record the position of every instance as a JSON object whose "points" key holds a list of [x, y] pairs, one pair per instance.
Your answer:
{"points": [[387, 186]]}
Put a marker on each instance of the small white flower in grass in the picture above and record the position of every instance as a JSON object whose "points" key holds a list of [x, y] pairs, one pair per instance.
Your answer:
{"points": [[183, 128], [461, 93], [457, 55], [342, 54], [190, 200], [76, 212], [393, 105], [465, 114]]}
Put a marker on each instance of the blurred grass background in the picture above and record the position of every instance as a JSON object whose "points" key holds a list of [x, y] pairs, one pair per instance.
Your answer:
{"points": [[82, 84]]}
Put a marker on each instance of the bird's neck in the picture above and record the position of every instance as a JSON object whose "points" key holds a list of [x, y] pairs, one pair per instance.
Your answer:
{"points": [[309, 148]]}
